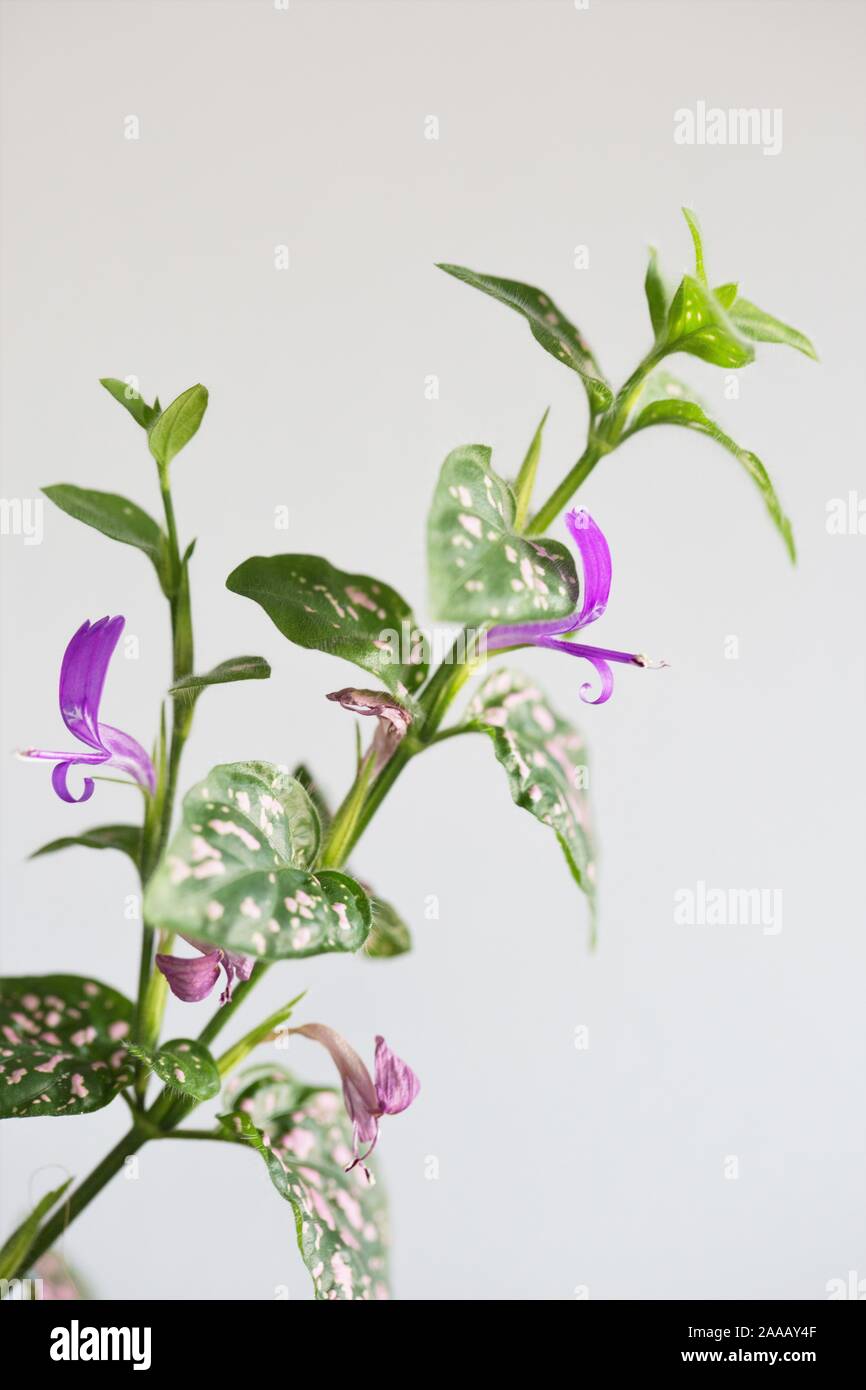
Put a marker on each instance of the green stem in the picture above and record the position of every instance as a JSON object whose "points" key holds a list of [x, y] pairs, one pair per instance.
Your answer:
{"points": [[603, 440], [345, 820], [562, 495]]}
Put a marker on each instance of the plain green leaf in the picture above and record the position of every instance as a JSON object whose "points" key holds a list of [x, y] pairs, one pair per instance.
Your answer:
{"points": [[237, 872], [546, 762], [726, 294], [697, 242], [763, 328], [62, 1049], [548, 325], [663, 401], [525, 481], [14, 1254], [142, 413], [658, 295], [117, 518], [480, 569], [177, 424], [348, 615], [340, 1218], [126, 838], [185, 1065], [236, 668]]}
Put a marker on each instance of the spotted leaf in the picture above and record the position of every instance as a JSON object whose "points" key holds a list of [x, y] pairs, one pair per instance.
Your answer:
{"points": [[548, 325], [348, 615], [664, 401], [545, 759], [185, 1065], [61, 1045], [305, 1139], [237, 872], [480, 569]]}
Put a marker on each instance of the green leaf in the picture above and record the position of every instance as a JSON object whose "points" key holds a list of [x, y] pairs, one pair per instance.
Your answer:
{"points": [[126, 838], [237, 668], [697, 324], [389, 935], [303, 774], [61, 1045], [185, 1065], [14, 1254], [526, 477], [480, 568], [304, 1138], [115, 517], [658, 295], [763, 328], [348, 615], [694, 229], [237, 871], [545, 759], [663, 401], [548, 325], [142, 413], [177, 424], [726, 294]]}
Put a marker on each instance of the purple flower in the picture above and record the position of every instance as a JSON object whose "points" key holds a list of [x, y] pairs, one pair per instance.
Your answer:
{"points": [[192, 978], [393, 719], [550, 632], [393, 1090], [82, 676]]}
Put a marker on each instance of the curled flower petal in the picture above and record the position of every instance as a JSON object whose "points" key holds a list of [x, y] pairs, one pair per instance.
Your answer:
{"points": [[396, 1083], [191, 978], [59, 774]]}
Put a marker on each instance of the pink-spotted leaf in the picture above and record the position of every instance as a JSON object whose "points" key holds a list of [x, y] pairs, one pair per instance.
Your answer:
{"points": [[305, 1139], [61, 1045], [238, 871], [546, 762]]}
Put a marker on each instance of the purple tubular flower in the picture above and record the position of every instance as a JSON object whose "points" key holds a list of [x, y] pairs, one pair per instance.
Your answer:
{"points": [[192, 978], [366, 1100], [82, 677], [550, 632]]}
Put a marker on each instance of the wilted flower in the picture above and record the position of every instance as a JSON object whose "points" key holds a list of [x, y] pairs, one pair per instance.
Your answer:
{"points": [[394, 1089], [394, 719], [82, 677], [550, 632], [192, 978]]}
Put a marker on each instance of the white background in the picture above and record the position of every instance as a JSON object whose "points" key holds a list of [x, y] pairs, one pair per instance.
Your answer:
{"points": [[558, 1168]]}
